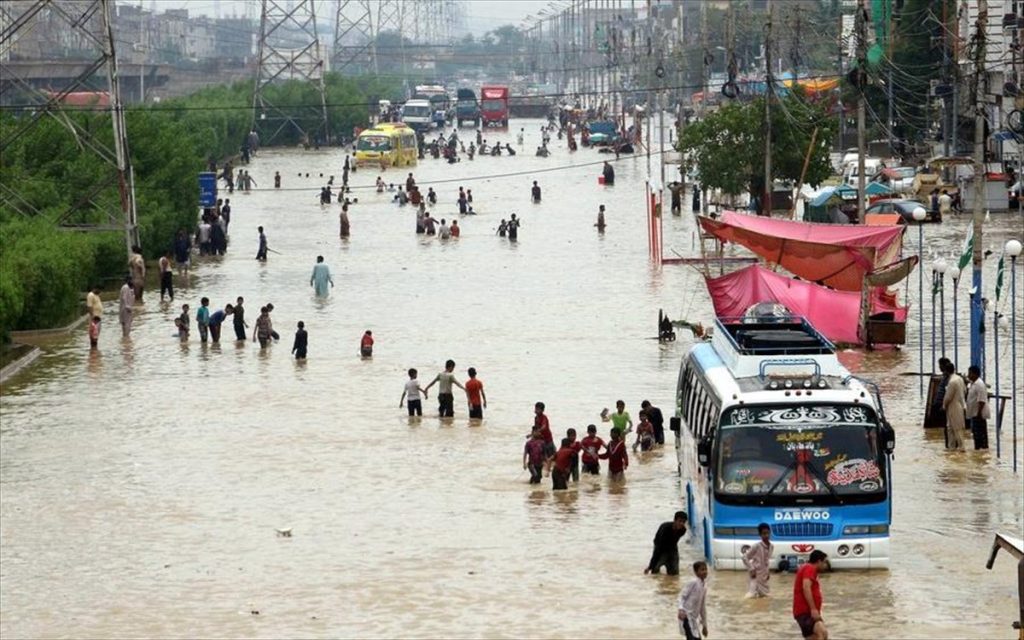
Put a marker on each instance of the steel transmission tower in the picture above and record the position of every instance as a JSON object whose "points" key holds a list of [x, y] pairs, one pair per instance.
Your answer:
{"points": [[389, 16], [354, 39], [109, 204], [295, 21]]}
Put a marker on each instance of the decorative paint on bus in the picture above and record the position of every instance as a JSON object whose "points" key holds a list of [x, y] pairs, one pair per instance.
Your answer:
{"points": [[771, 428]]}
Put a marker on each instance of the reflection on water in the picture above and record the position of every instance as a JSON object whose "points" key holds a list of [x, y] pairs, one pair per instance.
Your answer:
{"points": [[141, 485]]}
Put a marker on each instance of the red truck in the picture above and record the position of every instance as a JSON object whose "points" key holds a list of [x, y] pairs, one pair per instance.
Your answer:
{"points": [[494, 106]]}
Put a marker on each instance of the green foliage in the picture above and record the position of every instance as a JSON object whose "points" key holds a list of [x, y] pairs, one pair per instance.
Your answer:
{"points": [[727, 147], [44, 269]]}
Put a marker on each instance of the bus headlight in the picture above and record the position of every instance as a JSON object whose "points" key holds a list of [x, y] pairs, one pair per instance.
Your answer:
{"points": [[879, 528], [858, 549], [843, 551]]}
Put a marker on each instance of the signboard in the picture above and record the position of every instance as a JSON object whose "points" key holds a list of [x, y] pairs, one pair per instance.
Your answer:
{"points": [[207, 189]]}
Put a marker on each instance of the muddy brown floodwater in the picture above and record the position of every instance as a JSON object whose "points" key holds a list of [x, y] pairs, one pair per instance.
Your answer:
{"points": [[141, 486]]}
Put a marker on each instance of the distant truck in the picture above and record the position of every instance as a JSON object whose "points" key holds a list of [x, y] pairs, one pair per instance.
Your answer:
{"points": [[494, 106], [467, 109]]}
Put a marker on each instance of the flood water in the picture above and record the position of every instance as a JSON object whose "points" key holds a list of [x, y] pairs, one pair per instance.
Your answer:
{"points": [[140, 486]]}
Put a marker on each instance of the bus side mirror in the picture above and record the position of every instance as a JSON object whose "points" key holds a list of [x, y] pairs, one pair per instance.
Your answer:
{"points": [[704, 450], [674, 423], [887, 435]]}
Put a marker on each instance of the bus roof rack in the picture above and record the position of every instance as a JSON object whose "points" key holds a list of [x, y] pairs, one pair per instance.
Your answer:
{"points": [[773, 335]]}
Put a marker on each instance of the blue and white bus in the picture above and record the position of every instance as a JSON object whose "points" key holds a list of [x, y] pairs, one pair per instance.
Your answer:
{"points": [[770, 427]]}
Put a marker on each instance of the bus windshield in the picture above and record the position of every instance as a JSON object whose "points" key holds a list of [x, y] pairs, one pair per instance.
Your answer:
{"points": [[493, 105], [373, 143], [797, 454]]}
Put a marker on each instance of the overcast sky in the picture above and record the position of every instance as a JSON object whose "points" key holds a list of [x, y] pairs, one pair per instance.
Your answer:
{"points": [[482, 15]]}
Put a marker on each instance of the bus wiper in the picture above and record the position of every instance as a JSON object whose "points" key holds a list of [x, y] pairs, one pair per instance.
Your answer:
{"points": [[817, 474], [785, 472]]}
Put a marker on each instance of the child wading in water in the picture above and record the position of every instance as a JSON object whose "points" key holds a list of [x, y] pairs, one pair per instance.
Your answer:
{"points": [[411, 394], [592, 445], [533, 455], [693, 613], [758, 560], [644, 434], [94, 332], [301, 342]]}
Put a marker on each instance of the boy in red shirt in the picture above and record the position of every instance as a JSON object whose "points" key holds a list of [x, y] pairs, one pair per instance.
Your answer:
{"points": [[476, 396], [533, 456], [592, 445], [540, 421], [644, 434], [616, 455], [807, 597], [366, 345], [562, 466]]}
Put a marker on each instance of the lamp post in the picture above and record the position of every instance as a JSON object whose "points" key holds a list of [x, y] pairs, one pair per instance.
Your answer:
{"points": [[939, 266], [1013, 248], [919, 215], [955, 274], [999, 323]]}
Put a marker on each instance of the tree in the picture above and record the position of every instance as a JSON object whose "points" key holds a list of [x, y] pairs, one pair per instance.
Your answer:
{"points": [[727, 147]]}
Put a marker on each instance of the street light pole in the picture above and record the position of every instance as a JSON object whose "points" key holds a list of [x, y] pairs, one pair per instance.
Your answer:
{"points": [[919, 215], [940, 268], [1013, 249]]}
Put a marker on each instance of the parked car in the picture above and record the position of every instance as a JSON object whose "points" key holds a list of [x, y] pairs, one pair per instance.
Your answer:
{"points": [[903, 207]]}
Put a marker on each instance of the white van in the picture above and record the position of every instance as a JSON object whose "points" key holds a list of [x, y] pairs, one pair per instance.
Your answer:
{"points": [[418, 114], [871, 167]]}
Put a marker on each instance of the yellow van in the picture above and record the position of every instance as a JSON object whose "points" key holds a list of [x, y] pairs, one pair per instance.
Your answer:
{"points": [[392, 144]]}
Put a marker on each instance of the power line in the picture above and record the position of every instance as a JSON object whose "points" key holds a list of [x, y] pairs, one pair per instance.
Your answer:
{"points": [[171, 107]]}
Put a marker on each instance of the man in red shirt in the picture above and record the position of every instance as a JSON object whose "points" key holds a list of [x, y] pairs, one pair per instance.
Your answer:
{"points": [[563, 466], [616, 456], [366, 344], [476, 396], [807, 597]]}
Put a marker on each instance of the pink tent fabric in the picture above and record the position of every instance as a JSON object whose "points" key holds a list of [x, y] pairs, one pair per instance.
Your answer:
{"points": [[838, 255], [836, 314]]}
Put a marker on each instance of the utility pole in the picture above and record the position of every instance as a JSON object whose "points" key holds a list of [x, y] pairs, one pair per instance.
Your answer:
{"points": [[862, 78], [766, 203], [705, 53], [977, 338], [946, 128], [890, 117], [842, 108]]}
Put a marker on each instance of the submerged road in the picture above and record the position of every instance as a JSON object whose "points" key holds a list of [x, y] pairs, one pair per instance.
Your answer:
{"points": [[140, 486]]}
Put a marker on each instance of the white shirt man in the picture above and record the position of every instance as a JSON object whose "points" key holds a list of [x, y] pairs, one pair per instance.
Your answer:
{"points": [[945, 204]]}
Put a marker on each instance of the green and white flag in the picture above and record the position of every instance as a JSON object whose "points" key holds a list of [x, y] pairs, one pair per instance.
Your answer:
{"points": [[966, 253], [1000, 271]]}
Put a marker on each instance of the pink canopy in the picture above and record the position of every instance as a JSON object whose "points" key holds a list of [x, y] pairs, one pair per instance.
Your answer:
{"points": [[834, 254], [836, 314]]}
